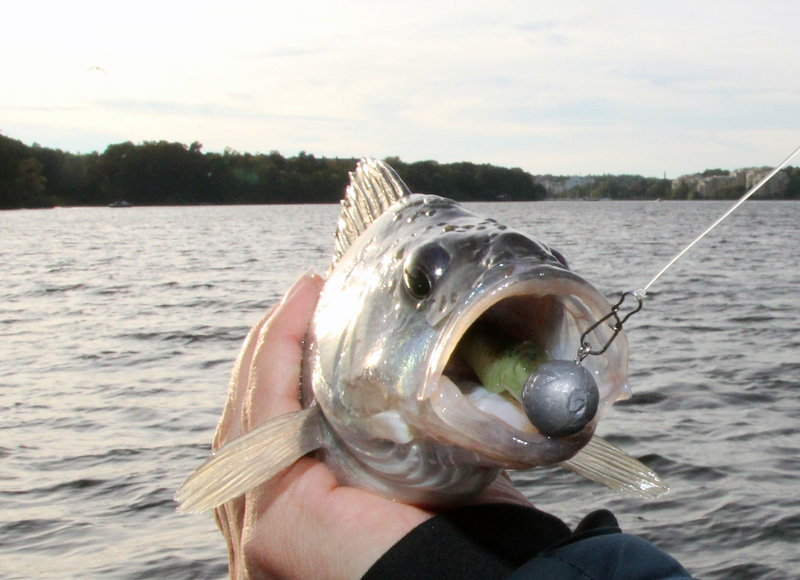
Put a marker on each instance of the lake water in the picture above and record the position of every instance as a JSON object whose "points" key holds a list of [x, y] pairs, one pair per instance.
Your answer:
{"points": [[119, 328]]}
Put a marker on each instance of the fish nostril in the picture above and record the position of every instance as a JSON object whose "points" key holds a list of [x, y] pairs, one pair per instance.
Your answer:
{"points": [[560, 257], [511, 245]]}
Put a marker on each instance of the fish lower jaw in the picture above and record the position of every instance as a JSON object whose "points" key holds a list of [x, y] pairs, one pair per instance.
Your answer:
{"points": [[421, 472], [496, 429], [500, 406]]}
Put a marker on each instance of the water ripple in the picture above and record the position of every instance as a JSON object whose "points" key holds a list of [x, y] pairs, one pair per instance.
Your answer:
{"points": [[120, 330]]}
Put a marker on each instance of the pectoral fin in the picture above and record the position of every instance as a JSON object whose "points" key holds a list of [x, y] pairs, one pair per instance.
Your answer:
{"points": [[605, 463], [250, 460]]}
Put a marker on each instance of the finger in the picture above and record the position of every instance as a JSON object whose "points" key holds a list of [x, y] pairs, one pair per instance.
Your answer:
{"points": [[230, 516], [230, 520], [274, 379], [229, 426]]}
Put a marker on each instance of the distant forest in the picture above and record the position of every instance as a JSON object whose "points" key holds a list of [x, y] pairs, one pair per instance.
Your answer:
{"points": [[164, 173]]}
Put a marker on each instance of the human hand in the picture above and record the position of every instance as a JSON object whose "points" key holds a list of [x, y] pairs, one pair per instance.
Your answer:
{"points": [[302, 524]]}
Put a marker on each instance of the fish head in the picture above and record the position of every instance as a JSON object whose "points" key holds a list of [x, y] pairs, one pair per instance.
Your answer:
{"points": [[519, 288], [383, 360]]}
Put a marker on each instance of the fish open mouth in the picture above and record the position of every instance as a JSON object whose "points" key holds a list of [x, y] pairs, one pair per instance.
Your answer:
{"points": [[548, 313], [498, 330]]}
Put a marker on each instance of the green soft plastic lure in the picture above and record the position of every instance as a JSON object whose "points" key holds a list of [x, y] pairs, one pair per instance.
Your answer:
{"points": [[559, 397], [502, 364]]}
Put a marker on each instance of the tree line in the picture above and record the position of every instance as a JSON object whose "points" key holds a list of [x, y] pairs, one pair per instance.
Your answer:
{"points": [[164, 173], [167, 173]]}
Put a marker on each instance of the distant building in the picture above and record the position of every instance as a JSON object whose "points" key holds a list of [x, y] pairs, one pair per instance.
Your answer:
{"points": [[775, 187], [705, 187], [561, 185]]}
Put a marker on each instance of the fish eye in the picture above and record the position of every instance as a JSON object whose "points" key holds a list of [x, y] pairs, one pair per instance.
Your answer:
{"points": [[423, 270], [417, 283]]}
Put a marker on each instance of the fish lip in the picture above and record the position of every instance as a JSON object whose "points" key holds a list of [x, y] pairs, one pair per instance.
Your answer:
{"points": [[526, 281]]}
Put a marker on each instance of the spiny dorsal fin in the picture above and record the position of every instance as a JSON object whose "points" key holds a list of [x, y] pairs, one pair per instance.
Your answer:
{"points": [[374, 187]]}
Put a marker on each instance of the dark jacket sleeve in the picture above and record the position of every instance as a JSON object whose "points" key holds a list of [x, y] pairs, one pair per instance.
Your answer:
{"points": [[502, 541], [483, 542], [602, 555]]}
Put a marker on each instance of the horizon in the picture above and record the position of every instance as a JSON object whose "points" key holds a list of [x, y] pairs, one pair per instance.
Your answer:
{"points": [[407, 161], [568, 89]]}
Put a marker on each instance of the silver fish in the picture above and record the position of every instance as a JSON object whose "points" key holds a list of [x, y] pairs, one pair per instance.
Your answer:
{"points": [[390, 405]]}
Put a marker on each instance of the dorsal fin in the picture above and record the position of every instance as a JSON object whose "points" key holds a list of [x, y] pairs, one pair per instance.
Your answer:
{"points": [[374, 187]]}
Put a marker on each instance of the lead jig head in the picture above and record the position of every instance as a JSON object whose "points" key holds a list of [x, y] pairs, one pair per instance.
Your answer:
{"points": [[560, 398]]}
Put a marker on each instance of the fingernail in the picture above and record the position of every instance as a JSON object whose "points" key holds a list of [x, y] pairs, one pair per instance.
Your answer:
{"points": [[298, 283]]}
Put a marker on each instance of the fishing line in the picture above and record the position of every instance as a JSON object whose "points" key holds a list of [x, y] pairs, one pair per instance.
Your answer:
{"points": [[640, 293]]}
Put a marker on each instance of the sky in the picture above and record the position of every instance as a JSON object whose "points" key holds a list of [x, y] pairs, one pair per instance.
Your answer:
{"points": [[656, 88]]}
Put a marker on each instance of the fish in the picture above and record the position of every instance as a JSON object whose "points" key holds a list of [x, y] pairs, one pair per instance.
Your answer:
{"points": [[390, 401]]}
